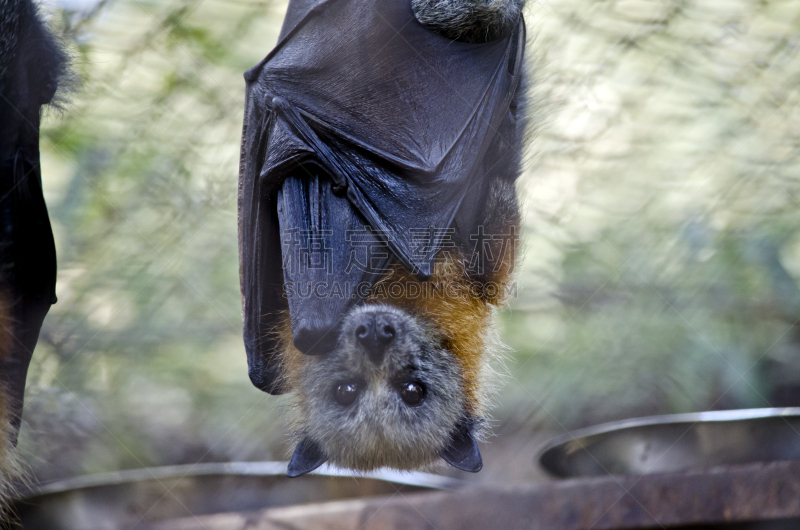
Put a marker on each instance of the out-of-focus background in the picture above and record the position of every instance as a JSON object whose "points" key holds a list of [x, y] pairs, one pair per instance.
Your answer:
{"points": [[662, 230]]}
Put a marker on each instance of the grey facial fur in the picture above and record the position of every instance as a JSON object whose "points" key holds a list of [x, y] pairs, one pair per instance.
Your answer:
{"points": [[379, 428], [469, 20]]}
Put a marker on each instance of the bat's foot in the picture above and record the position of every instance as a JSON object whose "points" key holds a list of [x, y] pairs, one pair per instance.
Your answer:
{"points": [[469, 20]]}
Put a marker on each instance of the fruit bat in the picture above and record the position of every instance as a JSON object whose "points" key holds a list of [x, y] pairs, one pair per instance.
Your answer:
{"points": [[375, 146], [32, 66]]}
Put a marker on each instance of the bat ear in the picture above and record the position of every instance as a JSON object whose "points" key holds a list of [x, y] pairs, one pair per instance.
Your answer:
{"points": [[307, 457], [462, 451]]}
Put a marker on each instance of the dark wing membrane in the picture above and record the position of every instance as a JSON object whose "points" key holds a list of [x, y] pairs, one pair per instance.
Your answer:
{"points": [[329, 255], [260, 271], [27, 262], [401, 114]]}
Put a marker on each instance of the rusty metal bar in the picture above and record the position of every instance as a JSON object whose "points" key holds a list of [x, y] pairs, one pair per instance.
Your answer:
{"points": [[756, 492]]}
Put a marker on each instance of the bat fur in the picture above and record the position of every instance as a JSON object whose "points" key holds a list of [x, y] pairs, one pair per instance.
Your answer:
{"points": [[469, 20], [9, 463]]}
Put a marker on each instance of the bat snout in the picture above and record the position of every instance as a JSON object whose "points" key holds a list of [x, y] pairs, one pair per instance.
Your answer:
{"points": [[374, 333]]}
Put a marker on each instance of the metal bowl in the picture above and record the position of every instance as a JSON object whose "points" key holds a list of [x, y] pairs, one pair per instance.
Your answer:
{"points": [[676, 442], [134, 498]]}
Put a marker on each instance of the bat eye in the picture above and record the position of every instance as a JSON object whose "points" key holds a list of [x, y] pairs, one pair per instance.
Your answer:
{"points": [[345, 393], [412, 393]]}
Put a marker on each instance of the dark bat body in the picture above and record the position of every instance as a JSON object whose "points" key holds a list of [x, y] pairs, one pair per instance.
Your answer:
{"points": [[31, 65], [377, 222]]}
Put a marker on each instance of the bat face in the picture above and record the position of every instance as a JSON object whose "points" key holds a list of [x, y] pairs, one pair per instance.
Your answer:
{"points": [[389, 394], [404, 383]]}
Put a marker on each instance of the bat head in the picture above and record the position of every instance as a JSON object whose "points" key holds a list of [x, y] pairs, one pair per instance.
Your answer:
{"points": [[389, 394]]}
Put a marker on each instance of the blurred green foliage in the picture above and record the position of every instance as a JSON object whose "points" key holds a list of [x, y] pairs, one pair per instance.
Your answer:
{"points": [[663, 242], [662, 230], [141, 361]]}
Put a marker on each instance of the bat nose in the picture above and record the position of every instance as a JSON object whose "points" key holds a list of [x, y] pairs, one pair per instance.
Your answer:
{"points": [[375, 334]]}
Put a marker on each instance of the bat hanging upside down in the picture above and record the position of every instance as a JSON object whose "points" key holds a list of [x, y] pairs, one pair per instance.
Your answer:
{"points": [[378, 223], [33, 67]]}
